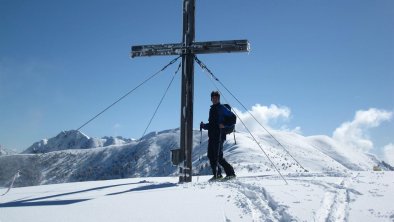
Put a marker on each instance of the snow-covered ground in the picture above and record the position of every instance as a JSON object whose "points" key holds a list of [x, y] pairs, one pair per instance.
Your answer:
{"points": [[354, 196], [339, 184]]}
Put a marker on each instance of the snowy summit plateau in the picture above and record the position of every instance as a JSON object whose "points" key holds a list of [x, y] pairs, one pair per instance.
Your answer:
{"points": [[74, 177]]}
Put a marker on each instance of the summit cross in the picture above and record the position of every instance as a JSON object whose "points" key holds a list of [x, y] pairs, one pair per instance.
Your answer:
{"points": [[187, 49]]}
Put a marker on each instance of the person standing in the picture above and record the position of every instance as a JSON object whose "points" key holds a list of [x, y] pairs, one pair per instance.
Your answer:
{"points": [[216, 138]]}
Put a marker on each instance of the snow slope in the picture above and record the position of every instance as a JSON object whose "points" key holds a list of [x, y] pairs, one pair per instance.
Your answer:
{"points": [[4, 151], [72, 156], [352, 196]]}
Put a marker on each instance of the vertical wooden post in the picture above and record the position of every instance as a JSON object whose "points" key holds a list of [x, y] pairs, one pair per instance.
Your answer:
{"points": [[188, 48], [187, 92]]}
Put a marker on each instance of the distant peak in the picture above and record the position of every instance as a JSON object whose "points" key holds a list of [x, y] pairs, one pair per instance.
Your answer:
{"points": [[72, 133]]}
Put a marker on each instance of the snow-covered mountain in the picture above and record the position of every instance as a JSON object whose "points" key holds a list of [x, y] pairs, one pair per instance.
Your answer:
{"points": [[4, 151], [73, 140], [72, 156]]}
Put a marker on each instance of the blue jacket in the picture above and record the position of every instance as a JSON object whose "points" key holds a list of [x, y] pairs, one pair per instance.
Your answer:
{"points": [[217, 113]]}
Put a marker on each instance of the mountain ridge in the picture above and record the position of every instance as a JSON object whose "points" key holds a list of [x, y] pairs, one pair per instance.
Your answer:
{"points": [[72, 156]]}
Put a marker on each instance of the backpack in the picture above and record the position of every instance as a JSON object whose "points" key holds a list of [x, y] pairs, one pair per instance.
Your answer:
{"points": [[229, 119]]}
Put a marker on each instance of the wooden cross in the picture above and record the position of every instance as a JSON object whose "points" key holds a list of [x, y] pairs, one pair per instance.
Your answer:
{"points": [[188, 48]]}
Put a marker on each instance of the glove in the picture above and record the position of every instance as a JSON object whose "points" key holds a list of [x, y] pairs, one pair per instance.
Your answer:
{"points": [[201, 126]]}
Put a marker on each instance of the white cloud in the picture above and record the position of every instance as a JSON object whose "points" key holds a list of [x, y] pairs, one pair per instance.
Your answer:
{"points": [[267, 116], [388, 154], [355, 133]]}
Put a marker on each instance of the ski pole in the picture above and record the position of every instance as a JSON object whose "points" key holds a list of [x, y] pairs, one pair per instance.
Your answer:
{"points": [[200, 136], [217, 157], [235, 141], [201, 132], [12, 182]]}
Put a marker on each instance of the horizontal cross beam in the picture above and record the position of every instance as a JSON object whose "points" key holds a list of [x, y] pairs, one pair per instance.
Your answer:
{"points": [[195, 48]]}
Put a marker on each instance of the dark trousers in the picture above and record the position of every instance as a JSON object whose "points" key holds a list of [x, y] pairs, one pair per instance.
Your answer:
{"points": [[215, 156]]}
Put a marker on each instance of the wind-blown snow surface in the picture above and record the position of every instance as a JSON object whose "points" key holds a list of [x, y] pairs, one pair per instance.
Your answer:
{"points": [[352, 196]]}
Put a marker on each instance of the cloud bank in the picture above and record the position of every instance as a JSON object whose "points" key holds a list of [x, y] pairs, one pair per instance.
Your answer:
{"points": [[354, 134], [388, 154], [268, 116]]}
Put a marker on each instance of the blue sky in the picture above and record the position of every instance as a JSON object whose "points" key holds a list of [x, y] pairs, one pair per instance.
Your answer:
{"points": [[62, 62]]}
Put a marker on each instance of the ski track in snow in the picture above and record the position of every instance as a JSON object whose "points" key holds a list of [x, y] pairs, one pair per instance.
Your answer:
{"points": [[255, 200], [335, 203]]}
